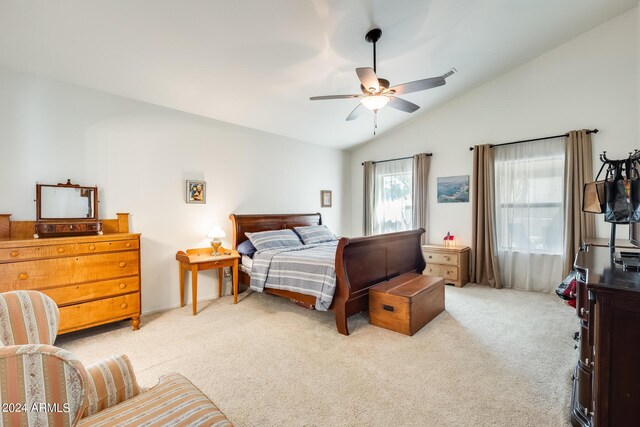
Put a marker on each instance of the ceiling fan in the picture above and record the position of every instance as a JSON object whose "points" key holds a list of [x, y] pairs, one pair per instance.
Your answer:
{"points": [[377, 92]]}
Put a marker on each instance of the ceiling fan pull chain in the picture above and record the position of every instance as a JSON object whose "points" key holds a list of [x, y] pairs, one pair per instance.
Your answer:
{"points": [[375, 121]]}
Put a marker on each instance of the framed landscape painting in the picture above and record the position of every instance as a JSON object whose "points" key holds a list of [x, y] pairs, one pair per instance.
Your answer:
{"points": [[453, 189]]}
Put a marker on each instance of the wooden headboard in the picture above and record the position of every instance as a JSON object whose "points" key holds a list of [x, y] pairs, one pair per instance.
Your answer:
{"points": [[242, 224]]}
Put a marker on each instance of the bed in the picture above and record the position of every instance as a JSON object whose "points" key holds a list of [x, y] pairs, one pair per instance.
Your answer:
{"points": [[360, 263]]}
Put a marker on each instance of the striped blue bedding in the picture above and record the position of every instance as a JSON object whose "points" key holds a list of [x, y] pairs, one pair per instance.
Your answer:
{"points": [[308, 269]]}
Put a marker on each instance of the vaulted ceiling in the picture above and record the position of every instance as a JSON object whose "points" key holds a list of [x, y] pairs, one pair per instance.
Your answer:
{"points": [[255, 63]]}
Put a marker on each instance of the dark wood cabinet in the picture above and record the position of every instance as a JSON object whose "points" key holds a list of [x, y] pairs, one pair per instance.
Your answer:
{"points": [[606, 381]]}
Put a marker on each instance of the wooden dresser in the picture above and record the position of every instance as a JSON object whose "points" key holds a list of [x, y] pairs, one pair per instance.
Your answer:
{"points": [[94, 279], [606, 380], [450, 262]]}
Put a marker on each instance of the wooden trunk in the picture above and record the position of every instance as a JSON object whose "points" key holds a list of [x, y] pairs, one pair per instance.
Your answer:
{"points": [[406, 303]]}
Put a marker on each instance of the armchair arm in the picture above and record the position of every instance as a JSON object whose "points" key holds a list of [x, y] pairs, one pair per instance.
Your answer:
{"points": [[109, 382], [43, 386]]}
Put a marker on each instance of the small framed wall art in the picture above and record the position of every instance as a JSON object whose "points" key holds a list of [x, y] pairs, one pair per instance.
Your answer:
{"points": [[196, 191], [325, 199]]}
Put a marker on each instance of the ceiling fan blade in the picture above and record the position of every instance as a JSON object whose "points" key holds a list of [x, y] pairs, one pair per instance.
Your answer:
{"points": [[356, 112], [320, 98], [418, 85], [402, 105], [368, 79]]}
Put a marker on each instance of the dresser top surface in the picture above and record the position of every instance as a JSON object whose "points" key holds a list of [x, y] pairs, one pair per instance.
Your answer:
{"points": [[602, 273], [47, 241]]}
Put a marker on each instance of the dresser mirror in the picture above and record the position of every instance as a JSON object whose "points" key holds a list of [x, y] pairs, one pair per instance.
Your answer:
{"points": [[64, 209]]}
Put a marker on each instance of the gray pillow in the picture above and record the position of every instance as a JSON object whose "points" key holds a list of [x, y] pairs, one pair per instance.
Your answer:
{"points": [[315, 234], [274, 239]]}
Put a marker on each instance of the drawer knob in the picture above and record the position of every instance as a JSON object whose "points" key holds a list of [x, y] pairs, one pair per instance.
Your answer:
{"points": [[122, 264], [23, 276], [447, 258], [60, 250], [583, 311], [123, 305], [128, 244], [14, 254], [430, 257], [123, 285], [92, 247]]}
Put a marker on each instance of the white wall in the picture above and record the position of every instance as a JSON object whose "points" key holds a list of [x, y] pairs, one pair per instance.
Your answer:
{"points": [[591, 81], [140, 156]]}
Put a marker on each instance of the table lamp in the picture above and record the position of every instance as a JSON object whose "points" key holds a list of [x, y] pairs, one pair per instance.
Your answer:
{"points": [[216, 233]]}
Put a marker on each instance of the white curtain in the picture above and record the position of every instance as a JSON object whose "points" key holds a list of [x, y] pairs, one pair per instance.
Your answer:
{"points": [[392, 206], [529, 200]]}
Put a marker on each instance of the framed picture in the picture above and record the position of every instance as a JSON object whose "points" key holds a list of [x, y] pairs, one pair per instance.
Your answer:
{"points": [[325, 199], [453, 189], [196, 191]]}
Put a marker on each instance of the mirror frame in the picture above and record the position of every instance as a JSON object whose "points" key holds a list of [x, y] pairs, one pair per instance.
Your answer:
{"points": [[67, 185]]}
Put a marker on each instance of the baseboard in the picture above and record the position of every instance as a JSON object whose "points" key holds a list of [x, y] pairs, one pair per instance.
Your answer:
{"points": [[171, 307]]}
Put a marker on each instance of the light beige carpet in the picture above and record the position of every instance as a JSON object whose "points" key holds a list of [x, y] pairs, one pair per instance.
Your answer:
{"points": [[494, 358]]}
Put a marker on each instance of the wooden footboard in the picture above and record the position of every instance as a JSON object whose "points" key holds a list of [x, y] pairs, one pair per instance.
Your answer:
{"points": [[365, 261]]}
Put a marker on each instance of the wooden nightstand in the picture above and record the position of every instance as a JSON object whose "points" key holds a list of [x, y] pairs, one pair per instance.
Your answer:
{"points": [[195, 260], [450, 262]]}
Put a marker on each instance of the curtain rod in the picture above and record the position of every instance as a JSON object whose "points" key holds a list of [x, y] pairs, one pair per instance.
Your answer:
{"points": [[399, 158], [536, 139]]}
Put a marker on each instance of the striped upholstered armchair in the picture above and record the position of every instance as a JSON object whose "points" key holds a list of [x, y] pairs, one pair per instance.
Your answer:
{"points": [[43, 385]]}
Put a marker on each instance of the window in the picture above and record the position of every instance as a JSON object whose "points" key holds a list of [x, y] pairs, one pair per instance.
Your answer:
{"points": [[392, 204], [529, 181], [529, 194]]}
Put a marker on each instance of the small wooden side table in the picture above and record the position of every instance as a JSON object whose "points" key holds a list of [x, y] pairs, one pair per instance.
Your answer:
{"points": [[195, 260], [450, 262]]}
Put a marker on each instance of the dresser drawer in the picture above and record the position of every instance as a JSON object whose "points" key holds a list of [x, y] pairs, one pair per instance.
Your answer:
{"points": [[89, 291], [439, 258], [584, 388], [446, 271], [117, 245], [49, 273], [79, 316], [36, 252]]}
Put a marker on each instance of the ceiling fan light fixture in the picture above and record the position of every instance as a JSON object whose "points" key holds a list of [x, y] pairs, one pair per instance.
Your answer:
{"points": [[374, 102]]}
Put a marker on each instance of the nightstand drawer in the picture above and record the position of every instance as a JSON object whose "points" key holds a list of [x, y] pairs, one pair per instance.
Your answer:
{"points": [[446, 271], [439, 258]]}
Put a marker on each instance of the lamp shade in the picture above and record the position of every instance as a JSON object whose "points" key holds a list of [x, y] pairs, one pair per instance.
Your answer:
{"points": [[374, 102], [216, 233]]}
